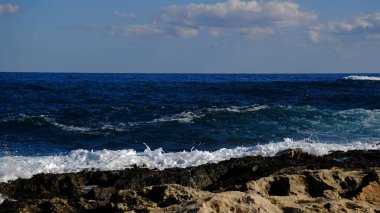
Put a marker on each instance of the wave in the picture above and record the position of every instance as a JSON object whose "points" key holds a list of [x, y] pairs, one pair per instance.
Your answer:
{"points": [[13, 167], [362, 78], [65, 127], [189, 116], [306, 113], [183, 117], [41, 119]]}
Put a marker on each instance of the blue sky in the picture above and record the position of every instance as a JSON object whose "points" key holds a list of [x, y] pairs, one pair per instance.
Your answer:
{"points": [[216, 36]]}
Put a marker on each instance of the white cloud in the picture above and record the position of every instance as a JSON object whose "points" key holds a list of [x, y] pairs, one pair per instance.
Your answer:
{"points": [[185, 32], [229, 18], [314, 36], [143, 30], [365, 23], [237, 14], [124, 15], [8, 9], [133, 30], [361, 27]]}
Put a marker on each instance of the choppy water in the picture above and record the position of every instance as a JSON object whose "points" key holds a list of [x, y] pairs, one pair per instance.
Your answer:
{"points": [[67, 122]]}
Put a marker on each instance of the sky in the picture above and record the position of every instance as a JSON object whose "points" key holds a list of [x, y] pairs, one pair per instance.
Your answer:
{"points": [[198, 36]]}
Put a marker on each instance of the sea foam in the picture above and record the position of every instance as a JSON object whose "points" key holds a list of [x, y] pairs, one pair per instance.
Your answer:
{"points": [[13, 167], [1, 199], [189, 116], [362, 78]]}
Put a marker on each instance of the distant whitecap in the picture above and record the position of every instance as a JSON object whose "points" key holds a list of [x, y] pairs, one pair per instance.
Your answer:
{"points": [[362, 78]]}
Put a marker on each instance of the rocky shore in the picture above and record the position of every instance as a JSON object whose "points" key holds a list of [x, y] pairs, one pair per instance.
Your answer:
{"points": [[292, 181]]}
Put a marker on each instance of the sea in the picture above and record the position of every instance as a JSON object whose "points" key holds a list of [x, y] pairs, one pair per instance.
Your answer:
{"points": [[67, 122]]}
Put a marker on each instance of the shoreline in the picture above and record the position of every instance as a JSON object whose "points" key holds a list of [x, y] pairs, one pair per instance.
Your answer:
{"points": [[113, 160], [269, 183]]}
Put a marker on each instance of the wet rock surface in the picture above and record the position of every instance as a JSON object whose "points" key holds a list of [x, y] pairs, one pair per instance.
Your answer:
{"points": [[291, 181]]}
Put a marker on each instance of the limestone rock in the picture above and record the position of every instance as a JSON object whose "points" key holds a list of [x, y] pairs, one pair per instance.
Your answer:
{"points": [[327, 190], [370, 193], [171, 194], [292, 182], [290, 153], [231, 201]]}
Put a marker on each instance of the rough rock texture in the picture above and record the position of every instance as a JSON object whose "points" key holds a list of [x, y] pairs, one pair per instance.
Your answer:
{"points": [[292, 181], [326, 190], [232, 201]]}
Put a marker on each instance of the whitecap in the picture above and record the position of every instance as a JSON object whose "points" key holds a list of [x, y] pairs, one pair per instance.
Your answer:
{"points": [[362, 78], [13, 167], [63, 126], [190, 116], [183, 117]]}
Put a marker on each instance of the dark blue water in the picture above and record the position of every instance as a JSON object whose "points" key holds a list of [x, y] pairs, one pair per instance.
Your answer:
{"points": [[49, 114]]}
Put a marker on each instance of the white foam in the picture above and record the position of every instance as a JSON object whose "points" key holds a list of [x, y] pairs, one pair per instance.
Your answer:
{"points": [[50, 121], [1, 199], [63, 126], [362, 78], [189, 116], [13, 167], [238, 109], [183, 117]]}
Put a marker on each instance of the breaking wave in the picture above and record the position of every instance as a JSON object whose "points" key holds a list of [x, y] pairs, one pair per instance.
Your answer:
{"points": [[13, 167]]}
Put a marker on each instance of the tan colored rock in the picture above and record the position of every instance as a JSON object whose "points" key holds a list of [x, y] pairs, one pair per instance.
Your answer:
{"points": [[133, 200], [225, 202], [327, 190], [370, 193], [290, 190], [120, 207], [170, 194]]}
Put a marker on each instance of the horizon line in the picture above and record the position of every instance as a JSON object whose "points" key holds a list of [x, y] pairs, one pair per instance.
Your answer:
{"points": [[178, 73]]}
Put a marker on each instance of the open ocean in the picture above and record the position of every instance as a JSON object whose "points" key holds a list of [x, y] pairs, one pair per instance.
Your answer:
{"points": [[68, 122]]}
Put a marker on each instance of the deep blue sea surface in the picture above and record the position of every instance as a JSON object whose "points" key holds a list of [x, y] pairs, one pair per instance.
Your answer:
{"points": [[85, 117]]}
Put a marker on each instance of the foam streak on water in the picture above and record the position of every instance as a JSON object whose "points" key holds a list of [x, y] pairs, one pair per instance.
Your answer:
{"points": [[13, 167], [362, 78], [189, 116]]}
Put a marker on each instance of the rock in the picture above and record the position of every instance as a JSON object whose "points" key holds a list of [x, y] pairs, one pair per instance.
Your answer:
{"points": [[291, 181], [291, 210], [100, 193], [320, 190], [290, 153], [171, 194], [86, 189], [370, 193], [53, 205], [120, 207], [232, 201], [315, 186], [133, 200]]}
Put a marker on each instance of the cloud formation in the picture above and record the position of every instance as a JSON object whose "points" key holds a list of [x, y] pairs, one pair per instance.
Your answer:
{"points": [[149, 30], [124, 15], [237, 14], [231, 17], [362, 27], [8, 9]]}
